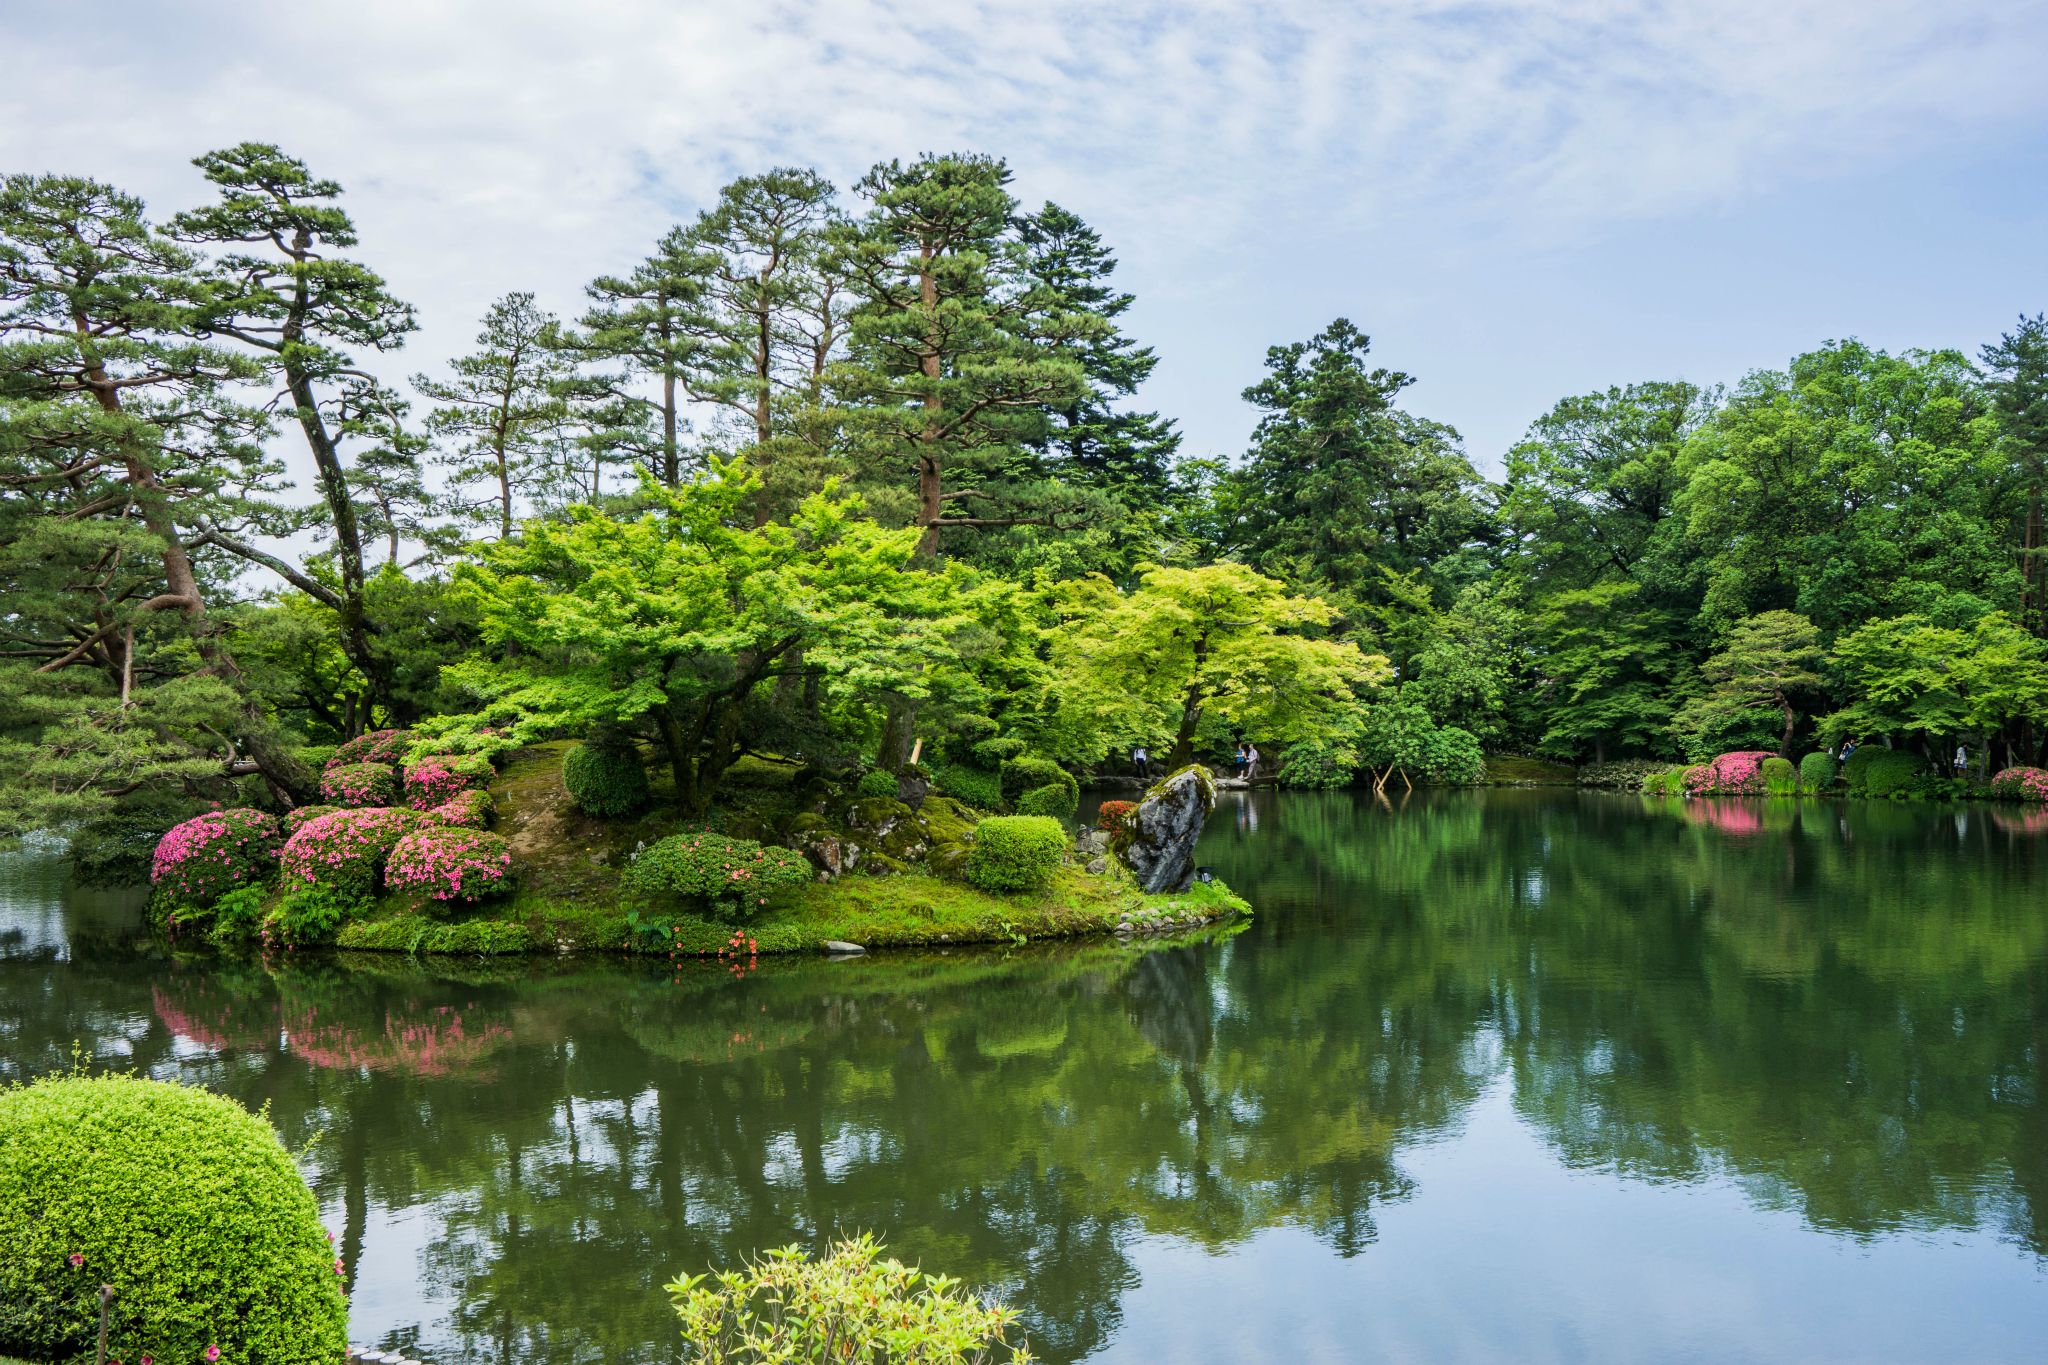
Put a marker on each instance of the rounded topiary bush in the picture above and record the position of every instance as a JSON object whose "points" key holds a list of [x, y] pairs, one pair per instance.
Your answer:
{"points": [[295, 819], [1696, 779], [450, 864], [992, 753], [360, 784], [1893, 772], [1740, 773], [472, 809], [2021, 784], [1780, 777], [185, 1203], [210, 854], [345, 852], [378, 746], [982, 790], [732, 876], [1020, 775], [1016, 853], [1054, 800], [606, 780], [439, 777], [877, 782], [1817, 771], [1856, 768], [1318, 763]]}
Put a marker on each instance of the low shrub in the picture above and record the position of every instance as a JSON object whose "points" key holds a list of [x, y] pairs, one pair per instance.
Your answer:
{"points": [[606, 780], [295, 819], [417, 934], [982, 790], [1665, 782], [2020, 784], [1780, 777], [360, 784], [346, 851], [308, 915], [1016, 853], [238, 916], [1732, 774], [1623, 774], [450, 864], [473, 809], [1112, 816], [877, 782], [850, 1304], [1318, 763], [1696, 779], [210, 854], [1020, 775], [378, 746], [438, 778], [1893, 772], [993, 753], [732, 876], [1857, 765], [1059, 802], [183, 1201], [1817, 771]]}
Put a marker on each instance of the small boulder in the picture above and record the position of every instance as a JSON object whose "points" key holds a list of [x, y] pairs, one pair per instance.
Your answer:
{"points": [[1160, 835], [841, 946]]}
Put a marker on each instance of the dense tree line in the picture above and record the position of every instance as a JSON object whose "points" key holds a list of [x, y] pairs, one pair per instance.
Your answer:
{"points": [[860, 473]]}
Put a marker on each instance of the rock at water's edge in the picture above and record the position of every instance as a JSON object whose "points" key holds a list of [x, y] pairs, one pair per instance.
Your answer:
{"points": [[1160, 848], [835, 945]]}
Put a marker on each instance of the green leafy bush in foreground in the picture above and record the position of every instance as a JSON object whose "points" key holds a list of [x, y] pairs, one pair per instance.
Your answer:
{"points": [[184, 1202], [1817, 771], [607, 780], [1016, 853], [733, 876], [850, 1304], [1780, 777]]}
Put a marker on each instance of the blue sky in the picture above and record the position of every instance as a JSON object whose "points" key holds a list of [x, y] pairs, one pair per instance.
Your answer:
{"points": [[1518, 200]]}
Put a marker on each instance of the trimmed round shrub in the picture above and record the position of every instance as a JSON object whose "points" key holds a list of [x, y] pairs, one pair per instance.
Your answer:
{"points": [[1732, 774], [450, 864], [1112, 816], [438, 777], [1061, 803], [1696, 779], [210, 854], [2021, 784], [1016, 853], [1817, 771], [1893, 772], [982, 790], [732, 876], [472, 809], [183, 1201], [877, 782], [1857, 765], [378, 746], [1318, 763], [992, 753], [293, 820], [346, 851], [360, 784], [1780, 777], [605, 780], [1020, 775]]}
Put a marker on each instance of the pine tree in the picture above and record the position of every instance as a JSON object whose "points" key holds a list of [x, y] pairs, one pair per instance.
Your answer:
{"points": [[2018, 364], [644, 322]]}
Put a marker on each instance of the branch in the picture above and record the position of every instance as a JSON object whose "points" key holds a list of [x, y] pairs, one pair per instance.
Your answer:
{"points": [[312, 587]]}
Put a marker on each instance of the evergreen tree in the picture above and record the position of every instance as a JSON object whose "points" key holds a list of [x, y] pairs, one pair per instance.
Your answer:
{"points": [[2018, 364], [642, 322]]}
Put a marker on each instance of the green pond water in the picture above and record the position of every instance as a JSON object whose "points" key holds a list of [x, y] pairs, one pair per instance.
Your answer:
{"points": [[1517, 1074]]}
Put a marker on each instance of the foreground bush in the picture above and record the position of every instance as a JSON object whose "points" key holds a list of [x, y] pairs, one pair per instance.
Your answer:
{"points": [[2021, 784], [378, 746], [1016, 853], [185, 1203], [471, 810], [733, 876], [360, 784], [296, 818], [877, 782], [851, 1305], [607, 780], [345, 852], [211, 854], [450, 864], [439, 778], [1817, 772], [1780, 777]]}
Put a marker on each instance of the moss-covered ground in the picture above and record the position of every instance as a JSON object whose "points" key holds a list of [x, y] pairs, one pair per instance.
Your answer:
{"points": [[1514, 770]]}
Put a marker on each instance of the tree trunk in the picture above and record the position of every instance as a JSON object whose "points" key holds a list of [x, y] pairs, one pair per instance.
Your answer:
{"points": [[899, 728]]}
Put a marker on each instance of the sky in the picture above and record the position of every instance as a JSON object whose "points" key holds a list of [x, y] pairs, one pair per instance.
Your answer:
{"points": [[1517, 200]]}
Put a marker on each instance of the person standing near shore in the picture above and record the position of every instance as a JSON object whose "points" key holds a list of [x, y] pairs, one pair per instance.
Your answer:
{"points": [[1237, 766], [1251, 761], [1141, 762]]}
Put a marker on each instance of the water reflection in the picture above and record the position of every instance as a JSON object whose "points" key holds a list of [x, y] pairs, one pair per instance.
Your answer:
{"points": [[1831, 1011]]}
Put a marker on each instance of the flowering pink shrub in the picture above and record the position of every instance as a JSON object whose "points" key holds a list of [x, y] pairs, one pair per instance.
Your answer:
{"points": [[436, 778], [346, 851], [360, 784], [1734, 774], [212, 854], [293, 819], [2021, 784], [450, 864], [378, 746], [471, 810]]}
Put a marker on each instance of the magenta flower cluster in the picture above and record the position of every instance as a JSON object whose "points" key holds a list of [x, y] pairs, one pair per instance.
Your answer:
{"points": [[470, 810], [378, 746], [439, 777], [2021, 784], [450, 864], [359, 784], [1733, 774], [212, 854], [347, 850]]}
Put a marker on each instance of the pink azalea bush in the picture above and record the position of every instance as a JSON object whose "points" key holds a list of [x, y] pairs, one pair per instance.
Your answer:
{"points": [[378, 746], [359, 784], [472, 809], [346, 851], [1733, 774], [293, 819], [212, 854], [2021, 784], [450, 864], [433, 780]]}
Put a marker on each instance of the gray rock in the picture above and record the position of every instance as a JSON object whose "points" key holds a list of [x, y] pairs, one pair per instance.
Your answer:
{"points": [[912, 788], [1098, 865], [838, 945], [1165, 826], [1093, 841], [830, 853]]}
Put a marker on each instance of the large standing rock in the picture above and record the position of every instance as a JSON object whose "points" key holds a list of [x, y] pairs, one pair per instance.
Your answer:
{"points": [[1159, 847]]}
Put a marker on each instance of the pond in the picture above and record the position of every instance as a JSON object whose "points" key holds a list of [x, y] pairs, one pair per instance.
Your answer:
{"points": [[1542, 1074]]}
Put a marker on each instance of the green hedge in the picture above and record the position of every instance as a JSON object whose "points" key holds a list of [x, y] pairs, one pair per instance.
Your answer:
{"points": [[184, 1202], [1053, 799], [991, 753], [982, 790], [1817, 772], [1021, 775], [605, 780], [1780, 777], [1893, 772], [1016, 853]]}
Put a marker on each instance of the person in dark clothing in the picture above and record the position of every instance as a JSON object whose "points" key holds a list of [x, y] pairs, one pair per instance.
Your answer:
{"points": [[1141, 762]]}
